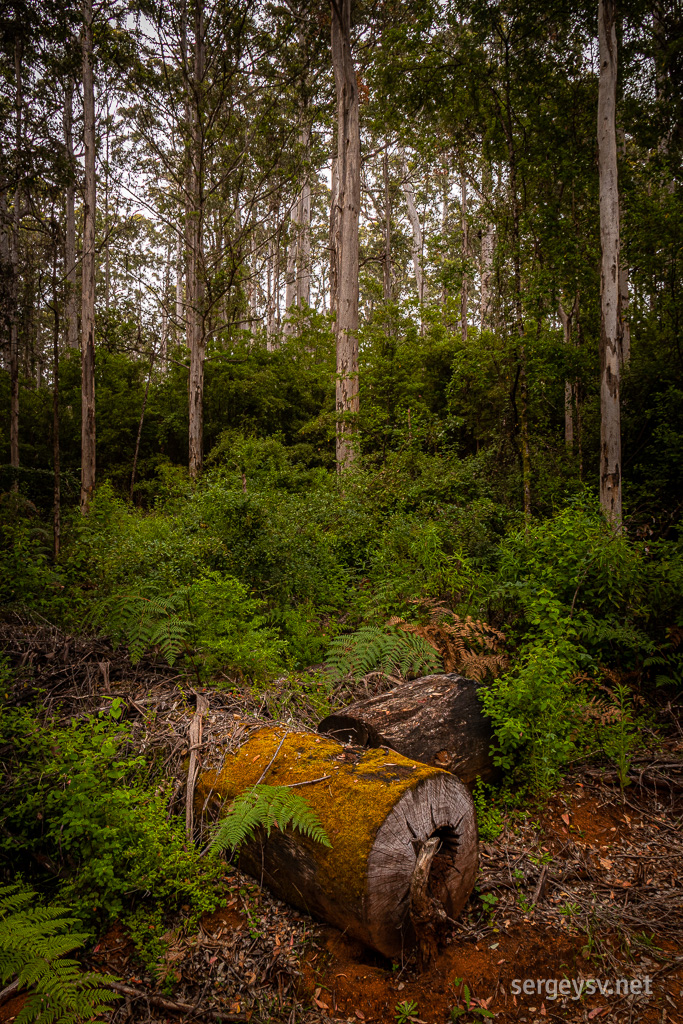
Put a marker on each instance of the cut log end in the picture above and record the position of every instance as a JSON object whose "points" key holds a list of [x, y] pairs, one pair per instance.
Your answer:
{"points": [[423, 863]]}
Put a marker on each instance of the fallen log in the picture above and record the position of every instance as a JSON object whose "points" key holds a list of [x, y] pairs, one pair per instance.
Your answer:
{"points": [[436, 719], [379, 809]]}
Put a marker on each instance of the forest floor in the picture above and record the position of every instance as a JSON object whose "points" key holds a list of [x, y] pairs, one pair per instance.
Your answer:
{"points": [[588, 887]]}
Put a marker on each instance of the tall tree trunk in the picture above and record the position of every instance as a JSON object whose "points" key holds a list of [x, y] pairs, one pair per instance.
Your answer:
{"points": [[465, 251], [567, 320], [290, 270], [179, 284], [71, 299], [416, 227], [387, 289], [348, 204], [488, 245], [610, 332], [303, 269], [334, 230], [57, 480], [195, 276], [14, 300], [88, 287]]}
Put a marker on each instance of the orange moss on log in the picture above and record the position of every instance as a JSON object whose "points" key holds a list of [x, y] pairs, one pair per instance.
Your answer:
{"points": [[359, 789]]}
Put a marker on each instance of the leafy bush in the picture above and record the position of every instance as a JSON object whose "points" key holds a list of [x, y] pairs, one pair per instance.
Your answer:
{"points": [[535, 708], [212, 621], [34, 945], [78, 803]]}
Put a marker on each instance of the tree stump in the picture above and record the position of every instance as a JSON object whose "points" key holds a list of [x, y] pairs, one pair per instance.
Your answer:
{"points": [[436, 719], [379, 809]]}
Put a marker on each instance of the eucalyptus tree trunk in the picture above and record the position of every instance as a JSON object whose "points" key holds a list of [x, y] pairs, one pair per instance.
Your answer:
{"points": [[465, 251], [179, 284], [290, 270], [610, 331], [195, 273], [303, 268], [445, 217], [14, 297], [488, 247], [386, 283], [71, 300], [334, 231], [416, 228], [348, 209], [88, 286], [567, 320], [57, 479]]}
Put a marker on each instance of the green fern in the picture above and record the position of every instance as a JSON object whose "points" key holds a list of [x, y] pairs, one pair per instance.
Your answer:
{"points": [[34, 943], [146, 622], [382, 649], [265, 807]]}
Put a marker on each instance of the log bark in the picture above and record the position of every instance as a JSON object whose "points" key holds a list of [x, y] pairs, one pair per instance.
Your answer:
{"points": [[379, 810], [436, 719]]}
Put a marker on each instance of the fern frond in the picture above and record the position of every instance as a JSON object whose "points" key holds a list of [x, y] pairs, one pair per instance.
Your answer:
{"points": [[34, 943], [265, 807], [385, 649]]}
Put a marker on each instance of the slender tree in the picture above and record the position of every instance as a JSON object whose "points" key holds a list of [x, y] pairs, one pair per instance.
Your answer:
{"points": [[346, 229], [88, 274], [610, 329]]}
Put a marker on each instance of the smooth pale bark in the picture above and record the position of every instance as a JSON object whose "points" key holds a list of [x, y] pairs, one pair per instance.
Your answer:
{"points": [[610, 331], [88, 438], [416, 228], [488, 245], [303, 270], [195, 275], [179, 283], [334, 232], [71, 298], [290, 269], [270, 292], [445, 216], [57, 479], [465, 252], [348, 209], [13, 311], [567, 320], [386, 282]]}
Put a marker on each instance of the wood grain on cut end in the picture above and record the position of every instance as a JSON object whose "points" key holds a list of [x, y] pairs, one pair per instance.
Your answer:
{"points": [[440, 807]]}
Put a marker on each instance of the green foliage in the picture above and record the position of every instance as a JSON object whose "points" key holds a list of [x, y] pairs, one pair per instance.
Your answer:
{"points": [[212, 621], [267, 807], [77, 800], [386, 649], [405, 1012], [34, 945], [489, 818], [534, 708], [620, 735]]}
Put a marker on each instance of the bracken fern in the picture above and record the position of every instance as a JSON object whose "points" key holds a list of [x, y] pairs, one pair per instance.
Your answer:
{"points": [[384, 649], [264, 807], [34, 943]]}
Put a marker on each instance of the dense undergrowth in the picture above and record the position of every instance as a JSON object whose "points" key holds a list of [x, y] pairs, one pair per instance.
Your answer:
{"points": [[265, 568]]}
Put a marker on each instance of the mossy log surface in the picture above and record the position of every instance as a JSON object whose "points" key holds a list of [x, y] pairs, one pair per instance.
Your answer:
{"points": [[378, 809], [436, 719]]}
